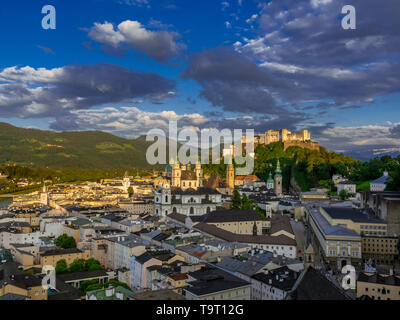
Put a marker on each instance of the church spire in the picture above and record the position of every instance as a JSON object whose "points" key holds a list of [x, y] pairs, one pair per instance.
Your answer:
{"points": [[278, 171]]}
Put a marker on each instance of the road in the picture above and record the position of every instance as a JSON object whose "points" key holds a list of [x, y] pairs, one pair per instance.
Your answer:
{"points": [[301, 236]]}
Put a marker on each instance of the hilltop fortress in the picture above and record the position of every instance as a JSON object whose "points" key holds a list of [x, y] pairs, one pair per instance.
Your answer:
{"points": [[302, 139]]}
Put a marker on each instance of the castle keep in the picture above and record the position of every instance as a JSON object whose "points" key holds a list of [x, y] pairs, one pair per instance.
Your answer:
{"points": [[302, 139]]}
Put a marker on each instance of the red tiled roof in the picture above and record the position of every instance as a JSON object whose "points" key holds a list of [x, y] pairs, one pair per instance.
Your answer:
{"points": [[178, 276]]}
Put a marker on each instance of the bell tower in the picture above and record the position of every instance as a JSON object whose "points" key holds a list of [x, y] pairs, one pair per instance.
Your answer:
{"points": [[126, 181], [230, 176], [176, 175], [278, 180], [199, 174], [44, 196]]}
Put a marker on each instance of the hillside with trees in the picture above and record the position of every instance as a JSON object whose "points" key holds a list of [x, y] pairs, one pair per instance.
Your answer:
{"points": [[70, 150], [312, 168]]}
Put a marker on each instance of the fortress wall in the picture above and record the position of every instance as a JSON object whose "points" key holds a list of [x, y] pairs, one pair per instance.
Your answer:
{"points": [[307, 145]]}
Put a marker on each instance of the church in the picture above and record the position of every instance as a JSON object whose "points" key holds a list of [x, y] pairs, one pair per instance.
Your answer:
{"points": [[183, 176], [276, 183]]}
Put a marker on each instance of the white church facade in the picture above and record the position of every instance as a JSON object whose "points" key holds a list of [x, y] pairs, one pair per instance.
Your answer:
{"points": [[189, 202]]}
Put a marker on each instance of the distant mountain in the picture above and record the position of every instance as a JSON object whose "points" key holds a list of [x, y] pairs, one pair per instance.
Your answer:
{"points": [[366, 155], [81, 149]]}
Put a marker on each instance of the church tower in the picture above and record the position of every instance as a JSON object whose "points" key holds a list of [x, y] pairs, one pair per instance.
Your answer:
{"points": [[230, 176], [44, 196], [270, 182], [176, 175], [126, 182], [278, 180], [199, 174]]}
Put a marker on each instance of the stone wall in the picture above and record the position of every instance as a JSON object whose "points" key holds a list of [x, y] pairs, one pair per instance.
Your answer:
{"points": [[307, 145]]}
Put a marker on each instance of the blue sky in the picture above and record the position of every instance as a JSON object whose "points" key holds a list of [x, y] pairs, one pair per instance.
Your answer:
{"points": [[127, 66]]}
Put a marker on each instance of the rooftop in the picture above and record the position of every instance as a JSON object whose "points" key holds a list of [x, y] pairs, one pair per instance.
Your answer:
{"points": [[356, 215], [312, 285], [56, 252], [158, 295], [282, 278], [211, 280], [330, 230], [391, 280]]}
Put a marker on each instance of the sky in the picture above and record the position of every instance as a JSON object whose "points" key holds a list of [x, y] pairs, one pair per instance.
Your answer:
{"points": [[128, 66]]}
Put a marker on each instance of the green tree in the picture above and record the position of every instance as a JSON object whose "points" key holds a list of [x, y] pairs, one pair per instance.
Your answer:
{"points": [[92, 264], [236, 200], [77, 266], [394, 183], [246, 203], [65, 242], [61, 267], [130, 191], [85, 284], [95, 286], [343, 194]]}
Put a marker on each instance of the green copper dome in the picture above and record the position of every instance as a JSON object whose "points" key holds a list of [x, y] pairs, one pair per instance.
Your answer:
{"points": [[278, 172]]}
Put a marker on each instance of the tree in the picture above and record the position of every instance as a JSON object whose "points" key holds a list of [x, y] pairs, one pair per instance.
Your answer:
{"points": [[61, 267], [236, 201], [65, 242], [95, 286], [130, 191], [92, 264], [246, 203], [343, 194], [87, 283], [394, 183], [77, 266]]}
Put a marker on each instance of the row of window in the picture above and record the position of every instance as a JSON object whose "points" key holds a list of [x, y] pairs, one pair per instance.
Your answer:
{"points": [[373, 227], [344, 253]]}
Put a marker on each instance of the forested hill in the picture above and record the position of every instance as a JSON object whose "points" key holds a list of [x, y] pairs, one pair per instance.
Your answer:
{"points": [[95, 150], [82, 149], [312, 168]]}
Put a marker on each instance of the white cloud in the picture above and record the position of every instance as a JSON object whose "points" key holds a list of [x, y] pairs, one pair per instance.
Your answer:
{"points": [[252, 18], [317, 3], [160, 45]]}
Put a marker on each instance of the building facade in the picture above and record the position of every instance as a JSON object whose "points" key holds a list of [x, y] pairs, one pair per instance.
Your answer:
{"points": [[189, 202]]}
